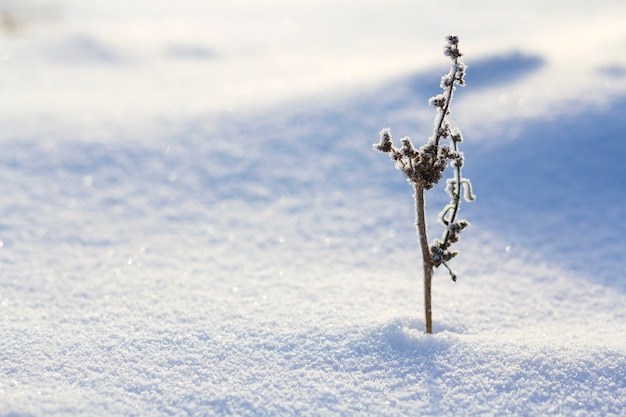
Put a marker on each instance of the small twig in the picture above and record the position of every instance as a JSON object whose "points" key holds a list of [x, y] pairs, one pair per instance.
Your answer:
{"points": [[424, 167]]}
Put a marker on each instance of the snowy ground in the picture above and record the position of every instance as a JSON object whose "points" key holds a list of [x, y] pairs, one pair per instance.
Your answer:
{"points": [[194, 222]]}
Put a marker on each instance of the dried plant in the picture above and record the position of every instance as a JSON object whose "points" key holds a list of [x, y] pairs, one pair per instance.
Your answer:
{"points": [[425, 166]]}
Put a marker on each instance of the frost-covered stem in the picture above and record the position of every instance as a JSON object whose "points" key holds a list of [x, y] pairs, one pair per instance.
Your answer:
{"points": [[420, 223], [456, 198], [424, 167], [448, 95]]}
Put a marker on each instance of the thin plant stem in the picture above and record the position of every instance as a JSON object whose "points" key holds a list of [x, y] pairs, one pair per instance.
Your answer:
{"points": [[424, 167], [456, 197], [420, 223], [449, 92]]}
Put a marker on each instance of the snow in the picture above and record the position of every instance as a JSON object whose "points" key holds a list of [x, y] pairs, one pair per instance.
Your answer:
{"points": [[196, 224]]}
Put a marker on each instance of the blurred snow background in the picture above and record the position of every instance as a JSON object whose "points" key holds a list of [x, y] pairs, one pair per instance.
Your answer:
{"points": [[194, 222]]}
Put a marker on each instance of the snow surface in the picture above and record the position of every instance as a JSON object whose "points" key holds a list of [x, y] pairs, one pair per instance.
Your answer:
{"points": [[196, 224]]}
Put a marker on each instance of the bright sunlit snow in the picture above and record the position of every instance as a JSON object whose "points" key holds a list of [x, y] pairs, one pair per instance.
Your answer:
{"points": [[193, 221]]}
